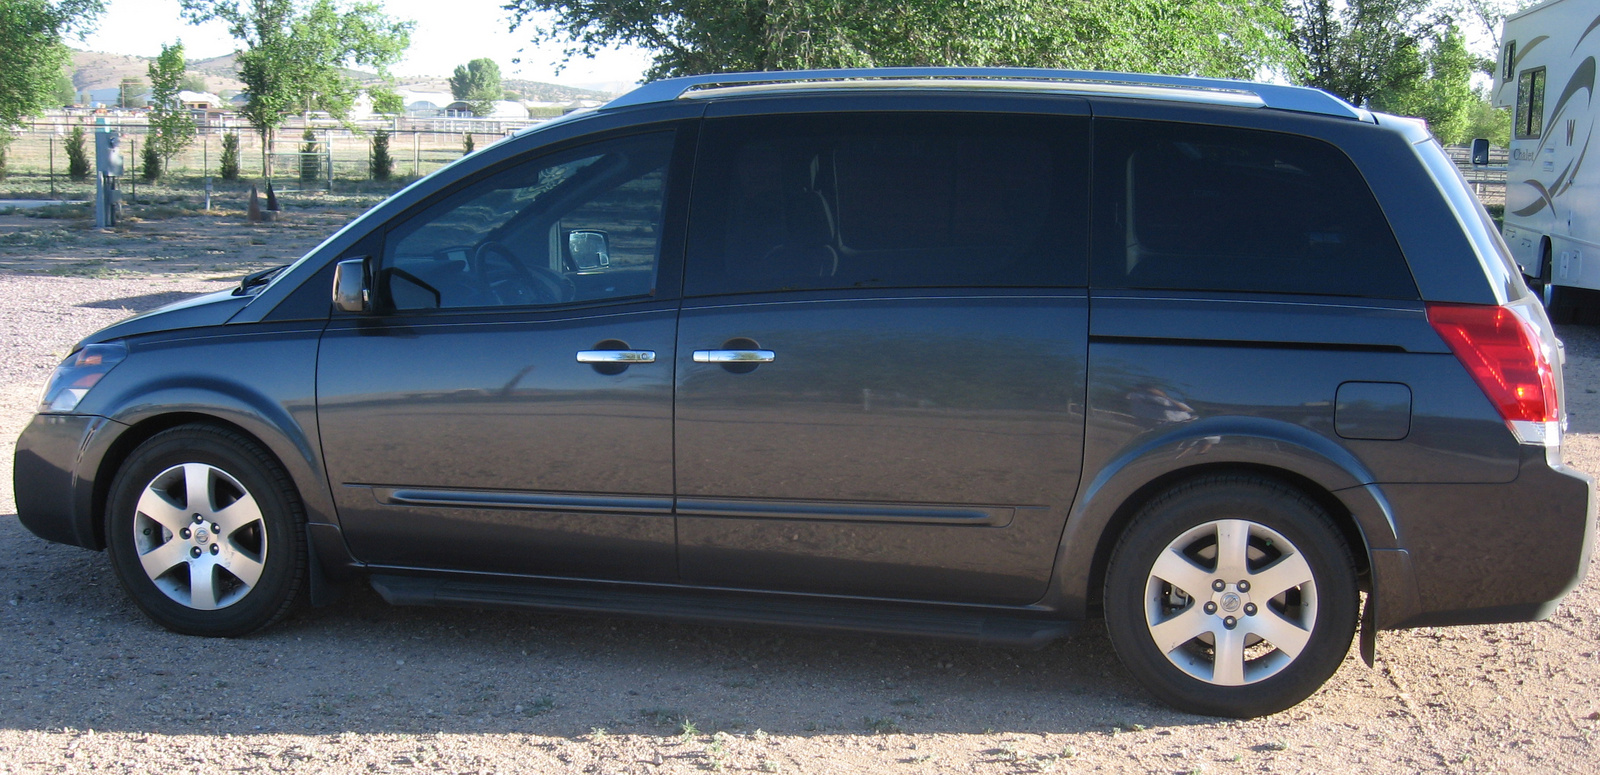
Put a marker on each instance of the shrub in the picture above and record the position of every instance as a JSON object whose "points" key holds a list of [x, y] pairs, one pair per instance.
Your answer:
{"points": [[151, 158], [77, 155], [382, 162], [310, 161], [230, 156], [5, 145], [467, 142]]}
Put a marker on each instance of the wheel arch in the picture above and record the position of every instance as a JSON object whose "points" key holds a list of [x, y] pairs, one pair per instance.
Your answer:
{"points": [[137, 433], [1294, 456]]}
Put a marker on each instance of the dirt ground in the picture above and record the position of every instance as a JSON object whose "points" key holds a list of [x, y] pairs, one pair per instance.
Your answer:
{"points": [[87, 684]]}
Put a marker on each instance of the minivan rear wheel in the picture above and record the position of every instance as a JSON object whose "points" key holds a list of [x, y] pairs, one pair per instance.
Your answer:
{"points": [[206, 532], [1231, 596]]}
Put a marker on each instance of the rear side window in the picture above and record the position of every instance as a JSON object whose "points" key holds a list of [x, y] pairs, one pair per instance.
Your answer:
{"points": [[1530, 104], [1202, 208], [875, 200]]}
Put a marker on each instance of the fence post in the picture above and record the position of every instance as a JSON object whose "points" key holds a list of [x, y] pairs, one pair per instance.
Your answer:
{"points": [[327, 143], [50, 142], [416, 154]]}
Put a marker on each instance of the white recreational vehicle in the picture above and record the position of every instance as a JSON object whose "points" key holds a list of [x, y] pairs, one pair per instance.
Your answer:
{"points": [[1546, 74]]}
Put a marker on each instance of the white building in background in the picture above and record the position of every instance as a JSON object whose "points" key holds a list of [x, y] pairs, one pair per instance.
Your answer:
{"points": [[424, 104], [504, 110], [199, 100]]}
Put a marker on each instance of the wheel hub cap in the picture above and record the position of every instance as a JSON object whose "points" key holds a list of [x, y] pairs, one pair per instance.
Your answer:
{"points": [[200, 536], [1230, 602]]}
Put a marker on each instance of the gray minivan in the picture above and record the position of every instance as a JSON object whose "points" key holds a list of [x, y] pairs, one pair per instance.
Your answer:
{"points": [[973, 353]]}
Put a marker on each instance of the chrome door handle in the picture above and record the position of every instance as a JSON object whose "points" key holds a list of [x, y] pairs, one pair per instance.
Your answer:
{"points": [[734, 356], [616, 356]]}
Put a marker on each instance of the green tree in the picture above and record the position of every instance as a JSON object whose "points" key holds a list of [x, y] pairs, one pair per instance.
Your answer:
{"points": [[229, 164], [32, 53], [150, 156], [386, 100], [171, 125], [310, 156], [382, 164], [63, 92], [130, 92], [194, 82], [1361, 48], [467, 143], [1442, 94], [294, 53], [478, 84], [1490, 122], [1229, 38], [77, 154]]}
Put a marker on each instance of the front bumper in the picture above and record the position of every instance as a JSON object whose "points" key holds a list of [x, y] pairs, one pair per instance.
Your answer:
{"points": [[53, 474]]}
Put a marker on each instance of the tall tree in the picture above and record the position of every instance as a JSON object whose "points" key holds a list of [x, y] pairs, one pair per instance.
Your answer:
{"points": [[1234, 38], [171, 125], [130, 92], [1360, 48], [294, 51], [478, 84], [386, 100], [32, 53], [1443, 95]]}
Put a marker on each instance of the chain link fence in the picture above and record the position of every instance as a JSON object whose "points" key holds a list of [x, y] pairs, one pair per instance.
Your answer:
{"points": [[36, 160]]}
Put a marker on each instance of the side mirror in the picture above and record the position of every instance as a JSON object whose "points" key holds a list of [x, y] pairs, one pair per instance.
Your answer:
{"points": [[590, 250], [352, 286], [1480, 152]]}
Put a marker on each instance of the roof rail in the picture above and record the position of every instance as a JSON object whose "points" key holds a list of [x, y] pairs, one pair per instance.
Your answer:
{"points": [[1215, 90]]}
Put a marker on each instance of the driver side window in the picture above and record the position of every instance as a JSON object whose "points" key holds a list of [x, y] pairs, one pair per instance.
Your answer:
{"points": [[574, 226]]}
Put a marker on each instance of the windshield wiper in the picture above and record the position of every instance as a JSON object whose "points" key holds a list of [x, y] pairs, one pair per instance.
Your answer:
{"points": [[258, 277]]}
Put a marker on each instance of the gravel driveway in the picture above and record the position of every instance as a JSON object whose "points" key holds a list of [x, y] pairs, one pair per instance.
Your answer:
{"points": [[87, 684]]}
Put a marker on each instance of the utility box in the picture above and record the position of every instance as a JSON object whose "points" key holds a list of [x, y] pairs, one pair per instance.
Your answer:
{"points": [[107, 152], [107, 169]]}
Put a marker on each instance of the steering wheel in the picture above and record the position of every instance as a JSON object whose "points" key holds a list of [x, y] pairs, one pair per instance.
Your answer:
{"points": [[514, 281]]}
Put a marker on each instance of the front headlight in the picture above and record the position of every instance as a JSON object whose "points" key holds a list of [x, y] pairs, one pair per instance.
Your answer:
{"points": [[79, 372]]}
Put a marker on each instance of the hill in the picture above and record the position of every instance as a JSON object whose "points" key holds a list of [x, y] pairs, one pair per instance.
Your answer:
{"points": [[96, 70]]}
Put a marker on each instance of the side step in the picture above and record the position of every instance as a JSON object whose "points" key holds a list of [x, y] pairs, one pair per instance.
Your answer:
{"points": [[972, 623]]}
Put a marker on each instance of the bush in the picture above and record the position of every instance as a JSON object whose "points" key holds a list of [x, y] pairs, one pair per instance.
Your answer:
{"points": [[5, 145], [310, 161], [77, 155], [152, 162], [467, 142], [230, 156], [382, 162]]}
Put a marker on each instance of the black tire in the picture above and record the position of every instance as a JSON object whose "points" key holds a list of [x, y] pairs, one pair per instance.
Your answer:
{"points": [[1139, 603], [250, 572]]}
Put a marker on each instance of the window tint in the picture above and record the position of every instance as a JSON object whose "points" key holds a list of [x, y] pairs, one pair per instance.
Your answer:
{"points": [[1530, 104], [860, 200], [580, 225], [1190, 207]]}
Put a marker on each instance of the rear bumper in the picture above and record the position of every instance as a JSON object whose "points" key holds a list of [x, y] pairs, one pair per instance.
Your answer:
{"points": [[53, 475], [1489, 553]]}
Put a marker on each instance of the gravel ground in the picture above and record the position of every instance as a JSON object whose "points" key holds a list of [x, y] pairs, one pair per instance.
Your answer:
{"points": [[87, 684]]}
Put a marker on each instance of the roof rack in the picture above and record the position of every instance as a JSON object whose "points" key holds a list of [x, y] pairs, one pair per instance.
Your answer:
{"points": [[1167, 87]]}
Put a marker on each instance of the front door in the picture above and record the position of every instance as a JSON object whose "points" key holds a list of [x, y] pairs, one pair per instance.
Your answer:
{"points": [[881, 354], [509, 409]]}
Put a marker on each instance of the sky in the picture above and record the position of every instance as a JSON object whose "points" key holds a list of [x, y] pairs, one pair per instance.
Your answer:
{"points": [[448, 33]]}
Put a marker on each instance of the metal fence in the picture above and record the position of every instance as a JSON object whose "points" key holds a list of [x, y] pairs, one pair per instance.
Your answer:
{"points": [[1488, 182], [37, 153]]}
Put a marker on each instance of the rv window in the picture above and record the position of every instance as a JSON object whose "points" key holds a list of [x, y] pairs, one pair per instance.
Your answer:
{"points": [[1530, 104]]}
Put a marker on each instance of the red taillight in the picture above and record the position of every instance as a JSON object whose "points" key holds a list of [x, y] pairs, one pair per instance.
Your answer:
{"points": [[1502, 352]]}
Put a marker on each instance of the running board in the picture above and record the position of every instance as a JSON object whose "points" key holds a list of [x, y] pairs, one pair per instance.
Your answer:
{"points": [[984, 625]]}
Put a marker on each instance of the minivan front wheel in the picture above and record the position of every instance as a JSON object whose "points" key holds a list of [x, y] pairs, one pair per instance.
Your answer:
{"points": [[1231, 596], [206, 533]]}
